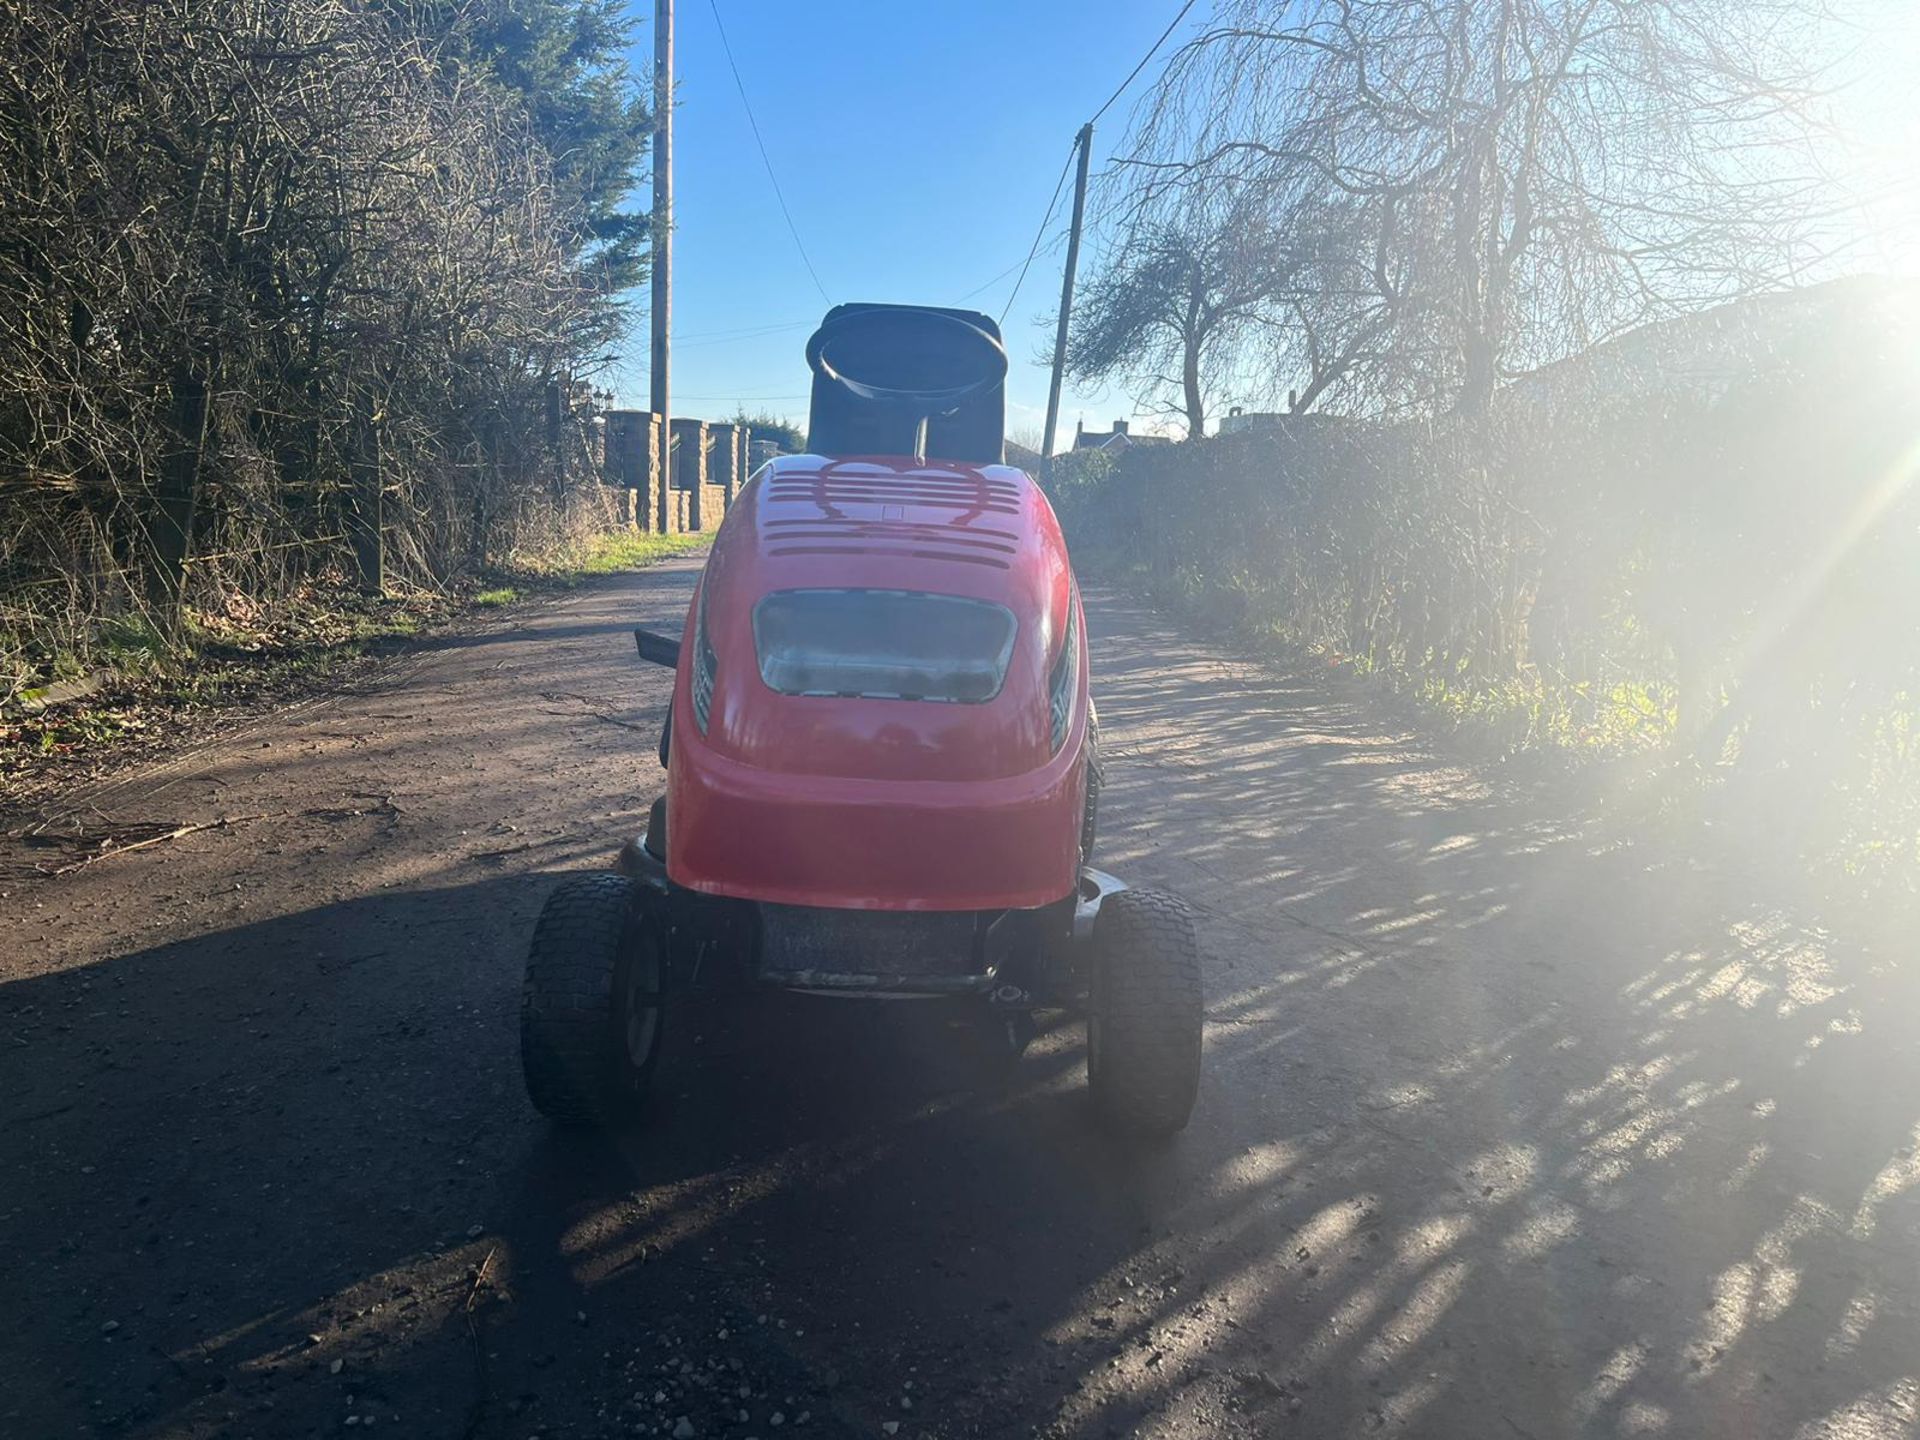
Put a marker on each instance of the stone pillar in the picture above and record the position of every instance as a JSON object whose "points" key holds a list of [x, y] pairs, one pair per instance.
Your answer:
{"points": [[727, 460], [690, 455], [633, 461]]}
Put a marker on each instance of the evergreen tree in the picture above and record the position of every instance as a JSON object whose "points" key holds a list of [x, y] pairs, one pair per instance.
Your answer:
{"points": [[566, 62]]}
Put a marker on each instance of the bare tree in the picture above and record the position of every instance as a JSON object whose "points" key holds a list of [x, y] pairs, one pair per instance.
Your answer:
{"points": [[1513, 179], [1174, 295], [291, 287]]}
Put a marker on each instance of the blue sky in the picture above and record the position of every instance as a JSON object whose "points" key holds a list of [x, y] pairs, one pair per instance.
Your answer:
{"points": [[917, 143]]}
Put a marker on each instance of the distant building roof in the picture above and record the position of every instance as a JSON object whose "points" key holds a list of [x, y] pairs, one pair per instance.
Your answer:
{"points": [[1271, 422], [1021, 458], [1117, 438]]}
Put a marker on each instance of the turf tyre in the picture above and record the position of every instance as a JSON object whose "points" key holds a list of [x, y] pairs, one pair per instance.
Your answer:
{"points": [[1145, 1013], [589, 1035]]}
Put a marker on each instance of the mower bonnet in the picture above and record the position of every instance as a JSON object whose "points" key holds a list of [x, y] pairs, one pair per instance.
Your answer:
{"points": [[881, 698]]}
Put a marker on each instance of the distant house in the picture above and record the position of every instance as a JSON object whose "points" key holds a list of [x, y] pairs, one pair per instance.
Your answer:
{"points": [[1274, 423], [1116, 439], [1021, 458], [1245, 422]]}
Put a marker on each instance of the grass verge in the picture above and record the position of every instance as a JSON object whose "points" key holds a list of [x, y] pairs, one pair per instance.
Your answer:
{"points": [[1839, 823], [606, 554], [141, 692]]}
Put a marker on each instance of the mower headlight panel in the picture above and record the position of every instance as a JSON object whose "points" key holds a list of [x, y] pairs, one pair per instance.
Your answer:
{"points": [[1065, 677], [705, 662]]}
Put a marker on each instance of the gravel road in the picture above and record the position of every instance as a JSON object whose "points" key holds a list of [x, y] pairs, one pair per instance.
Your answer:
{"points": [[1510, 1127]]}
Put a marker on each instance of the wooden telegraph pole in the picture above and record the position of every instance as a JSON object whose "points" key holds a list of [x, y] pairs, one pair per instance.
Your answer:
{"points": [[660, 396], [1085, 141]]}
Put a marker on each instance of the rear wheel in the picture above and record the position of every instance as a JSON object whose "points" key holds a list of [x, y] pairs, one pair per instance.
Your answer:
{"points": [[590, 1010], [1143, 1022]]}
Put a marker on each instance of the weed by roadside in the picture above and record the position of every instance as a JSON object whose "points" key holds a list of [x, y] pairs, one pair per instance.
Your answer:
{"points": [[137, 691], [1841, 819], [604, 554]]}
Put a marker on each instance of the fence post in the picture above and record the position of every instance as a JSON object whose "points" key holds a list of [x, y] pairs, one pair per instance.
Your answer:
{"points": [[556, 451], [172, 531], [366, 518]]}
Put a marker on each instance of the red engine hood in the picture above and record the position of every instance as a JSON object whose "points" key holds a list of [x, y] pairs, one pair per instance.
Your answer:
{"points": [[805, 522]]}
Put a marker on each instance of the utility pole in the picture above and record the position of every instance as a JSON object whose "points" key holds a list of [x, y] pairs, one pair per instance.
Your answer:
{"points": [[660, 396], [1085, 141]]}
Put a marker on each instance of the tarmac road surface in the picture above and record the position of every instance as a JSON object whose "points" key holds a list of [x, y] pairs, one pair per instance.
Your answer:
{"points": [[1510, 1127]]}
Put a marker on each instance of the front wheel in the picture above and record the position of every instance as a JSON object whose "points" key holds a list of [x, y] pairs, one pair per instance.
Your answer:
{"points": [[590, 1009], [1144, 1019]]}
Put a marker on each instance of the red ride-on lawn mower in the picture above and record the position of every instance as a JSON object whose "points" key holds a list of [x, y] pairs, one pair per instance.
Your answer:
{"points": [[882, 768]]}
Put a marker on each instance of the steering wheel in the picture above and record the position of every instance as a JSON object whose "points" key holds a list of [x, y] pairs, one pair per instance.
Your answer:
{"points": [[919, 361]]}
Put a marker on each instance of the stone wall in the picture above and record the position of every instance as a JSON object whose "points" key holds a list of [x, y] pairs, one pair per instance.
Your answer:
{"points": [[708, 467]]}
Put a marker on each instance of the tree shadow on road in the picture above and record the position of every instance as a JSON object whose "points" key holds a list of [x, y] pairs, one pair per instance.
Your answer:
{"points": [[1570, 1133], [284, 1174]]}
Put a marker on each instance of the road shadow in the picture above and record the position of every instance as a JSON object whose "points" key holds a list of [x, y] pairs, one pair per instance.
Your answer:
{"points": [[284, 1174]]}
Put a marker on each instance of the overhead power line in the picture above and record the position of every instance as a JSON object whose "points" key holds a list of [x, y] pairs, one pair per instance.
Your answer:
{"points": [[989, 284], [737, 398], [1134, 73], [1041, 233], [740, 337], [763, 328], [765, 160], [1060, 184]]}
